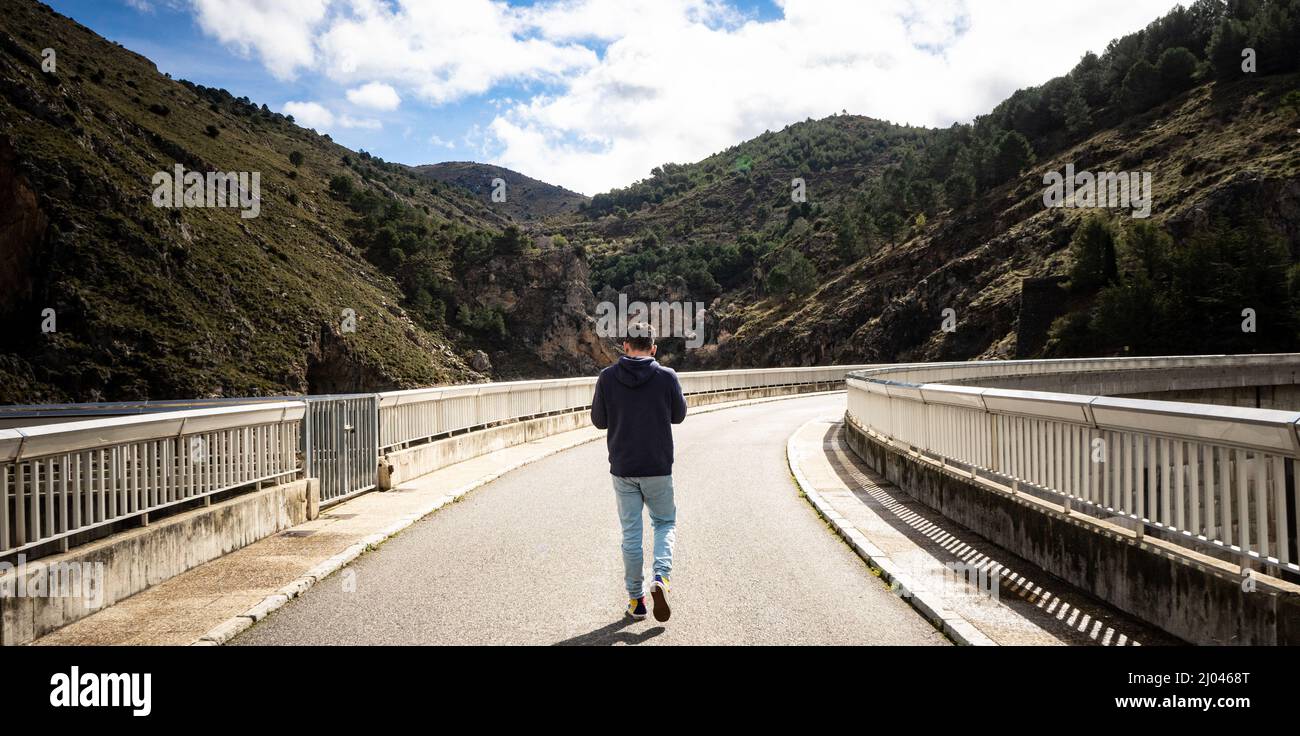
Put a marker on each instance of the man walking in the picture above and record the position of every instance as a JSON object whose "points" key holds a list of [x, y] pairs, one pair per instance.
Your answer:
{"points": [[638, 401]]}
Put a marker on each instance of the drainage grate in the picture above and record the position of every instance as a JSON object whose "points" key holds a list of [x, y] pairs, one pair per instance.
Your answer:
{"points": [[298, 533], [339, 516]]}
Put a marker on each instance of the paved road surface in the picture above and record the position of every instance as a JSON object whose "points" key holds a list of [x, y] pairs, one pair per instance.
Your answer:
{"points": [[533, 558]]}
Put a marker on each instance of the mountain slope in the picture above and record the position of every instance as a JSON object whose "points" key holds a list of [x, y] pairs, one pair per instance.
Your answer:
{"points": [[526, 198], [901, 224], [1001, 262], [350, 277]]}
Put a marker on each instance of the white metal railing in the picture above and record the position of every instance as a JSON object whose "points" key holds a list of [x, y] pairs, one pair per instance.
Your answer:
{"points": [[1220, 475], [972, 371], [1207, 475], [58, 480], [419, 414]]}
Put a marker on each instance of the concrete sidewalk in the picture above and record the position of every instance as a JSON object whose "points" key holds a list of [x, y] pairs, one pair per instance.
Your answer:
{"points": [[976, 592], [212, 603]]}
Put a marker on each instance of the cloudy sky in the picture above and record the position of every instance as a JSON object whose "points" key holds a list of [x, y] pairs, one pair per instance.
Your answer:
{"points": [[592, 94]]}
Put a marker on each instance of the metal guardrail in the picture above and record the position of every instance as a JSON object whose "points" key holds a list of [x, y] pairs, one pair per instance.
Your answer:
{"points": [[1223, 476], [63, 479], [407, 417], [59, 480], [124, 408], [1213, 476], [341, 444], [970, 371]]}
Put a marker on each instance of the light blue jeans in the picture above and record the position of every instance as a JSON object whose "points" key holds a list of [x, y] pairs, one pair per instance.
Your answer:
{"points": [[656, 494]]}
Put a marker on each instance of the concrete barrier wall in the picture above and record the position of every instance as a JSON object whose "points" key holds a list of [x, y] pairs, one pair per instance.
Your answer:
{"points": [[399, 467], [1278, 384], [1194, 597], [404, 465], [140, 558]]}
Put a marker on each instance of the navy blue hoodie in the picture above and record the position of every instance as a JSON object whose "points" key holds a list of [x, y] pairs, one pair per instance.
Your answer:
{"points": [[638, 401]]}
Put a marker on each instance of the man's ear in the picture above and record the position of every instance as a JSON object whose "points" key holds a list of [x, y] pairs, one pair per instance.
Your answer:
{"points": [[654, 349], [627, 347]]}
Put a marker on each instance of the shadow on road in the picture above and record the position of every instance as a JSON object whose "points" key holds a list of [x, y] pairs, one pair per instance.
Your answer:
{"points": [[612, 634], [1068, 613]]}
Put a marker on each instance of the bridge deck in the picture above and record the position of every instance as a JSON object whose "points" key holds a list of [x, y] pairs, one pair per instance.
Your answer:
{"points": [[534, 558]]}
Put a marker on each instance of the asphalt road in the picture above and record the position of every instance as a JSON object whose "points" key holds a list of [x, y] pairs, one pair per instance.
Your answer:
{"points": [[533, 558]]}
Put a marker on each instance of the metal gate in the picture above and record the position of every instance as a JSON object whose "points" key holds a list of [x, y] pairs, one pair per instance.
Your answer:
{"points": [[341, 444]]}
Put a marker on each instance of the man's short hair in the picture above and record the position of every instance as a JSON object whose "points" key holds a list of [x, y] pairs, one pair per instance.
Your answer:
{"points": [[640, 336]]}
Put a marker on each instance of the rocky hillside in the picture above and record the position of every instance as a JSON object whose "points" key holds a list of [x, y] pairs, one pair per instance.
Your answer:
{"points": [[526, 198], [901, 224], [351, 276]]}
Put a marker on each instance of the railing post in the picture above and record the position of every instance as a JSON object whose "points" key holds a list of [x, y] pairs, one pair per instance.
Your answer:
{"points": [[995, 451]]}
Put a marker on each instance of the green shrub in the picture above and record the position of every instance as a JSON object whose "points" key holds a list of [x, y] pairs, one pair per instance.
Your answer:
{"points": [[793, 274], [1093, 252]]}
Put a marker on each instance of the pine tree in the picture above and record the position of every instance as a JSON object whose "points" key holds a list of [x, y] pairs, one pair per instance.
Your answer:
{"points": [[847, 240], [1176, 70], [959, 189], [1093, 248], [1141, 87], [1014, 154], [1087, 76], [1078, 118], [891, 226], [1226, 45], [792, 274]]}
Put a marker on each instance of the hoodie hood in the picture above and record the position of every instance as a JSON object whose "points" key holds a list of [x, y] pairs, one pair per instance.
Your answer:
{"points": [[633, 372]]}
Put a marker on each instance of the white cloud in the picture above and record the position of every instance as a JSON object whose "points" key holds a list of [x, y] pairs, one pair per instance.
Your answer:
{"points": [[321, 118], [928, 63], [310, 114], [347, 121], [610, 20], [280, 32], [375, 95], [442, 51], [437, 141], [676, 80]]}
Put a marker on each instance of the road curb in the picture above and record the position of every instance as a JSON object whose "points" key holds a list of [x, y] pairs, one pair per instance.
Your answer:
{"points": [[235, 625], [927, 604]]}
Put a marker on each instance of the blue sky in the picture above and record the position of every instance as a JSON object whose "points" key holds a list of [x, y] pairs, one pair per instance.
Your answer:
{"points": [[592, 94]]}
